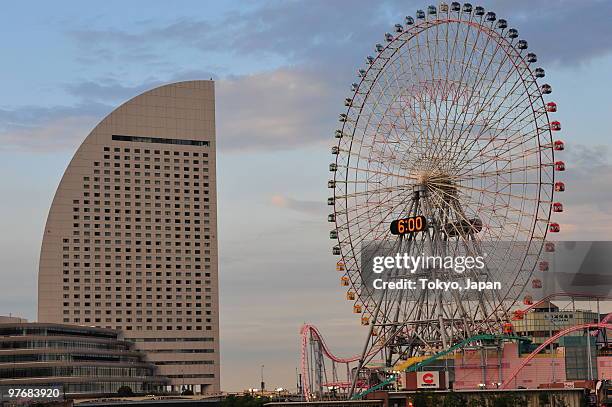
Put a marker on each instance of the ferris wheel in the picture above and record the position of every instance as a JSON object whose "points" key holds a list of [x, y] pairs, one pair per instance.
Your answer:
{"points": [[447, 125]]}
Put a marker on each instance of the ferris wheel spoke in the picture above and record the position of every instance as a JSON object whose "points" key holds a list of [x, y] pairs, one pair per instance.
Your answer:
{"points": [[516, 139], [464, 177], [486, 191], [480, 79], [518, 82], [467, 65], [488, 99]]}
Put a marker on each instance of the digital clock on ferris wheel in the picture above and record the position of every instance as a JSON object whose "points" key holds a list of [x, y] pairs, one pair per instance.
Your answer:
{"points": [[412, 224]]}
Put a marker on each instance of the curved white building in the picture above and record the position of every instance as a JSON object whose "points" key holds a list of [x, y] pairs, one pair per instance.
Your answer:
{"points": [[130, 242]]}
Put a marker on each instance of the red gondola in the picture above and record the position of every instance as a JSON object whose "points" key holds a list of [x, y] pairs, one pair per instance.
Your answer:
{"points": [[559, 145], [551, 107], [554, 227], [557, 207], [528, 300], [559, 186], [555, 126], [536, 283], [549, 247], [543, 266], [559, 166]]}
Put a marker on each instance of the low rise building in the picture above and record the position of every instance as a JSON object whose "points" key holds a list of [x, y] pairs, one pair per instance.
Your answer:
{"points": [[84, 361]]}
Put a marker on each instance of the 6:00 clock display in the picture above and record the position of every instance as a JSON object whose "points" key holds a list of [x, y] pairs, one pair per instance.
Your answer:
{"points": [[412, 224]]}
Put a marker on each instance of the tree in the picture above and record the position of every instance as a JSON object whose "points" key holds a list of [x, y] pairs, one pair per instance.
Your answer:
{"points": [[125, 391], [454, 400], [244, 401], [508, 400], [420, 400], [477, 402]]}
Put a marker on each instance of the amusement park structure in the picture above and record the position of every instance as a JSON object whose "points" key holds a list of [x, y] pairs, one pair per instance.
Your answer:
{"points": [[445, 149]]}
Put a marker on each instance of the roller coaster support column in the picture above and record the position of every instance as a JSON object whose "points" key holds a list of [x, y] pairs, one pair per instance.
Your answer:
{"points": [[364, 353]]}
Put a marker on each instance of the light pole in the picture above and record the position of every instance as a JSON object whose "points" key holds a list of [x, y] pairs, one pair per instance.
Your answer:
{"points": [[263, 384]]}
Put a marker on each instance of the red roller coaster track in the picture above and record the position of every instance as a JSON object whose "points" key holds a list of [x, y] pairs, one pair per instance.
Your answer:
{"points": [[553, 338], [308, 329], [305, 331]]}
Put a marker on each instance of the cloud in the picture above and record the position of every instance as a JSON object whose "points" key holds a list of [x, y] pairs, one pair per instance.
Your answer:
{"points": [[296, 111], [143, 42], [39, 129], [588, 179], [561, 32], [315, 208], [283, 28], [275, 110], [113, 91], [318, 31], [320, 46], [108, 89]]}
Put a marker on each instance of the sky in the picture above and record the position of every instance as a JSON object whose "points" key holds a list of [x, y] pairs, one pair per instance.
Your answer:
{"points": [[282, 70]]}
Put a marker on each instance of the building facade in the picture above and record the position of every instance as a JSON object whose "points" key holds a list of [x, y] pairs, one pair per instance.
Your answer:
{"points": [[546, 320], [82, 361], [130, 241]]}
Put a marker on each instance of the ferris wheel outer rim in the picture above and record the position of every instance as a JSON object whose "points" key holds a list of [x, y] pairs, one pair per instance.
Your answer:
{"points": [[424, 26]]}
